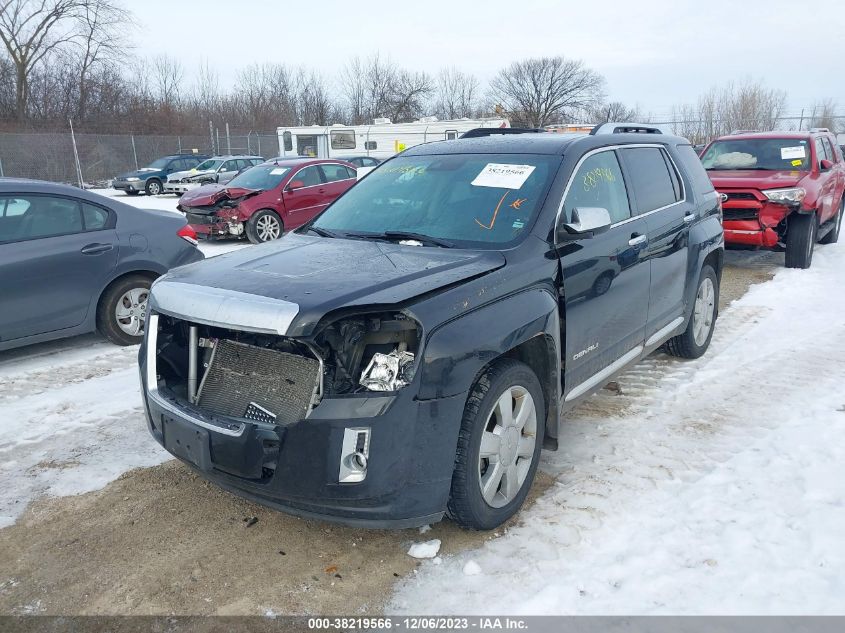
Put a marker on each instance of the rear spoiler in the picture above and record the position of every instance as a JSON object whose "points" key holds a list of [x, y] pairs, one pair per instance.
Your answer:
{"points": [[625, 128]]}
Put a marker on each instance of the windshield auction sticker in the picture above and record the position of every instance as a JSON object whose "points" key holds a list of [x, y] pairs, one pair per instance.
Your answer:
{"points": [[503, 176], [792, 152]]}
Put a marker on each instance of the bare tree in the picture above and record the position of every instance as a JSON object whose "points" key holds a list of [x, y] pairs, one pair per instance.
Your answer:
{"points": [[410, 95], [613, 111], [30, 30], [168, 74], [544, 90], [101, 42], [824, 115], [457, 94], [315, 105], [376, 87], [721, 110]]}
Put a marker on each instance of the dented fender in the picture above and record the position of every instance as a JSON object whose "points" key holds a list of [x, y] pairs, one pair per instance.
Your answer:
{"points": [[456, 352]]}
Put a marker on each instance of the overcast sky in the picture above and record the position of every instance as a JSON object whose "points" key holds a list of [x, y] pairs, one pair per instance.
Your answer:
{"points": [[654, 55]]}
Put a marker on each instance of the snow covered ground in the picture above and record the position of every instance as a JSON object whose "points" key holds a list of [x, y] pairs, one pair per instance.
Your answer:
{"points": [[86, 392], [719, 491]]}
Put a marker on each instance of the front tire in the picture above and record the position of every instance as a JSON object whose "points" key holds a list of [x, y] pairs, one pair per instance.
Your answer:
{"points": [[132, 192], [696, 338], [122, 311], [264, 226], [833, 235], [153, 187], [801, 232], [498, 446]]}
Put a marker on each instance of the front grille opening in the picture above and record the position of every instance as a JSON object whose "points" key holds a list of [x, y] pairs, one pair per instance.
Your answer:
{"points": [[739, 214], [239, 375]]}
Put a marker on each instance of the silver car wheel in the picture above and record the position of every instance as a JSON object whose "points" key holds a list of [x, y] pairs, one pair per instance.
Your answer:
{"points": [[705, 309], [507, 446], [267, 227], [131, 311], [154, 188]]}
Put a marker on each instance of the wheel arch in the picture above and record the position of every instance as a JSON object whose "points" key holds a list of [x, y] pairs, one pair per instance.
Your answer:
{"points": [[524, 326], [150, 274]]}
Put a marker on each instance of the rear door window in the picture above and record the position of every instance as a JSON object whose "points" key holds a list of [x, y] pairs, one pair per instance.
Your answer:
{"points": [[699, 179], [94, 217], [44, 216], [599, 183], [649, 172], [337, 172]]}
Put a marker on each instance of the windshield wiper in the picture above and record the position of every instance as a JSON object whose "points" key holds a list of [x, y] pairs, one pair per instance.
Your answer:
{"points": [[426, 240], [321, 232]]}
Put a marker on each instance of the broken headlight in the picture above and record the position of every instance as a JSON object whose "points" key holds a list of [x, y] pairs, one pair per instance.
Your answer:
{"points": [[374, 352], [790, 196], [388, 372]]}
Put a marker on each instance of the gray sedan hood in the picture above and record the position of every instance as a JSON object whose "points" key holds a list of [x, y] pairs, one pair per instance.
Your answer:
{"points": [[286, 287]]}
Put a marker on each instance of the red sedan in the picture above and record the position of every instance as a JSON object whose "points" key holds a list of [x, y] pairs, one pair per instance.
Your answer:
{"points": [[268, 199]]}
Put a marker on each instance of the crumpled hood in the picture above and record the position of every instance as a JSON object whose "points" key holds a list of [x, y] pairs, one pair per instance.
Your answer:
{"points": [[316, 276], [190, 173], [755, 179], [213, 193]]}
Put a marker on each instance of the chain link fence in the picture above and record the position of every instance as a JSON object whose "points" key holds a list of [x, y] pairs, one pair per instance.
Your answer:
{"points": [[51, 156]]}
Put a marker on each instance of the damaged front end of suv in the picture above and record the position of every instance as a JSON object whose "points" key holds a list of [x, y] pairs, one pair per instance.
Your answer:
{"points": [[307, 403]]}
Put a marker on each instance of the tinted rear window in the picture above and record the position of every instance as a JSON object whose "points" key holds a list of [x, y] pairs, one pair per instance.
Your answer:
{"points": [[695, 170], [650, 177]]}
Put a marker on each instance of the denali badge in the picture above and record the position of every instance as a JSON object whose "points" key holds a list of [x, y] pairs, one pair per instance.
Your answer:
{"points": [[584, 352]]}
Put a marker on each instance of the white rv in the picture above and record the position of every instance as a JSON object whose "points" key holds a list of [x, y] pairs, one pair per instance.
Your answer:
{"points": [[381, 140]]}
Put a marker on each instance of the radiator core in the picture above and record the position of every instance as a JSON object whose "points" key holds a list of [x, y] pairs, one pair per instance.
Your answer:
{"points": [[245, 381]]}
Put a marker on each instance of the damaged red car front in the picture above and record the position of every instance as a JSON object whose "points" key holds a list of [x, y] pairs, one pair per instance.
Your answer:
{"points": [[779, 190], [267, 200]]}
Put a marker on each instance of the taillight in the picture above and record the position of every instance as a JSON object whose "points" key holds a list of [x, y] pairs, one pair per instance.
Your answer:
{"points": [[188, 234]]}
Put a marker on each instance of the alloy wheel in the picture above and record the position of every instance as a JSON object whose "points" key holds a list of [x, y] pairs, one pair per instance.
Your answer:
{"points": [[267, 227], [131, 311], [705, 309], [507, 446]]}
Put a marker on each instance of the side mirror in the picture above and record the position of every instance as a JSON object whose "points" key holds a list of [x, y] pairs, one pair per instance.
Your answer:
{"points": [[586, 222], [825, 164], [294, 184]]}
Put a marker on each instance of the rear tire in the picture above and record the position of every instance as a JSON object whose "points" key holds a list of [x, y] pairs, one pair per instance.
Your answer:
{"points": [[801, 232], [833, 235], [696, 338], [122, 310], [264, 226], [498, 446]]}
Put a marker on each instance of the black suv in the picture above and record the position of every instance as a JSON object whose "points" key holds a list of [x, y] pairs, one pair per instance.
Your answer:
{"points": [[408, 352]]}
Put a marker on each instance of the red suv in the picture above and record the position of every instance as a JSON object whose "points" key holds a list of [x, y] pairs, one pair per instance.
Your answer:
{"points": [[779, 190], [265, 201]]}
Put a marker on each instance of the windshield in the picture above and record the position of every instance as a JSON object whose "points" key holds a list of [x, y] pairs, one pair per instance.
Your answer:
{"points": [[159, 163], [262, 177], [762, 153], [208, 165], [467, 199]]}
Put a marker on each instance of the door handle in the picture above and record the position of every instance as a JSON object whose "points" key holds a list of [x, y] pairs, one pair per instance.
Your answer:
{"points": [[95, 249], [689, 217], [322, 190], [637, 240]]}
